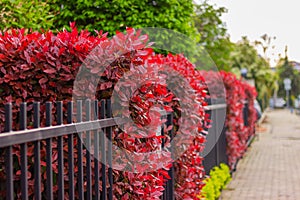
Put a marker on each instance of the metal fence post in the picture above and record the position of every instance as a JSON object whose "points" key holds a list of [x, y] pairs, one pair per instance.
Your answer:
{"points": [[49, 171], [171, 170], [109, 152], [60, 159], [80, 151], [9, 155], [37, 153], [245, 114], [23, 126], [217, 138], [70, 152]]}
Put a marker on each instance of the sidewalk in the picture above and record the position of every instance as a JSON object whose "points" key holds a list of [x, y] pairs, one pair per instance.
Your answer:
{"points": [[270, 170]]}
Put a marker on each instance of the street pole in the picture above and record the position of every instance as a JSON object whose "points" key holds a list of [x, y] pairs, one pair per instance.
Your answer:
{"points": [[287, 86], [287, 99]]}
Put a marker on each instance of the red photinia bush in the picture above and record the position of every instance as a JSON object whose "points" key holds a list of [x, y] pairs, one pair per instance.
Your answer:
{"points": [[42, 67], [237, 93], [39, 67], [215, 85], [47, 67], [189, 169], [235, 97], [160, 70], [251, 94]]}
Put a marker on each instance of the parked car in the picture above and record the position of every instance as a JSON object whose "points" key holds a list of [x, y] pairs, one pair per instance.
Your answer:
{"points": [[279, 103]]}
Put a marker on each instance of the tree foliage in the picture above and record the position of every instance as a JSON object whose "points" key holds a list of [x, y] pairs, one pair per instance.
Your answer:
{"points": [[213, 32], [246, 56], [112, 15], [31, 14], [286, 70]]}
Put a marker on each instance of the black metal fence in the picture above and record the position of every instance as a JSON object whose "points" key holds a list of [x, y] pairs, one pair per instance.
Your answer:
{"points": [[90, 174], [215, 151], [217, 154]]}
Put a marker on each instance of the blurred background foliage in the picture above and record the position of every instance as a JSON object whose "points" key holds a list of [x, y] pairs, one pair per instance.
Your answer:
{"points": [[286, 69], [30, 14]]}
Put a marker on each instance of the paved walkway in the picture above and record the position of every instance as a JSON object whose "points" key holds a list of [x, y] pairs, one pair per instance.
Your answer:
{"points": [[270, 170]]}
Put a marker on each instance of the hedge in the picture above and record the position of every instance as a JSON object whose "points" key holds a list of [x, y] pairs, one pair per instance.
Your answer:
{"points": [[43, 66], [237, 93]]}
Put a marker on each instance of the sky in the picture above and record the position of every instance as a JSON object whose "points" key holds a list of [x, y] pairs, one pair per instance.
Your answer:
{"points": [[253, 18]]}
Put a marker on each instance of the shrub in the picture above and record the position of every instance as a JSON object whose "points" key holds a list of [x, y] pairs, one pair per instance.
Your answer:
{"points": [[218, 178], [30, 14], [237, 92], [235, 97], [251, 94], [188, 168], [43, 66], [237, 135]]}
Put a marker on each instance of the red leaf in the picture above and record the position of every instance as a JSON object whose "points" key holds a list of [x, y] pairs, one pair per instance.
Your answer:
{"points": [[43, 80], [3, 70], [50, 71]]}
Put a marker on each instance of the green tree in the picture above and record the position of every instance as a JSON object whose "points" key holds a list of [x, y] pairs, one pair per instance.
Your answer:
{"points": [[246, 56], [112, 15], [286, 70], [213, 33], [30, 14]]}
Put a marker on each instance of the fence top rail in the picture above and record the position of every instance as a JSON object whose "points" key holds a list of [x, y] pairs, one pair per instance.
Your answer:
{"points": [[30, 135], [215, 106]]}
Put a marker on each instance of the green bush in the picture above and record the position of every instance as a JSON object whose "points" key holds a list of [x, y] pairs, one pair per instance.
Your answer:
{"points": [[218, 178], [33, 14]]}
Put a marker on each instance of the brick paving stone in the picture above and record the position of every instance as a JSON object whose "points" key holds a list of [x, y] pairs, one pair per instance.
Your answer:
{"points": [[270, 170]]}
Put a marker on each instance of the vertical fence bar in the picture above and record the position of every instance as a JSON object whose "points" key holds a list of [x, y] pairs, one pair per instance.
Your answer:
{"points": [[210, 158], [96, 151], [70, 152], [162, 133], [79, 151], [23, 126], [171, 171], [9, 173], [164, 196], [9, 157], [222, 146], [49, 180], [60, 160], [215, 123], [103, 153], [37, 154], [88, 153], [109, 152], [245, 114]]}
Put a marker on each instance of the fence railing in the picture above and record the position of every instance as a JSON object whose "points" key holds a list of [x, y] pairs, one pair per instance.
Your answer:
{"points": [[217, 136], [85, 174], [215, 149]]}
